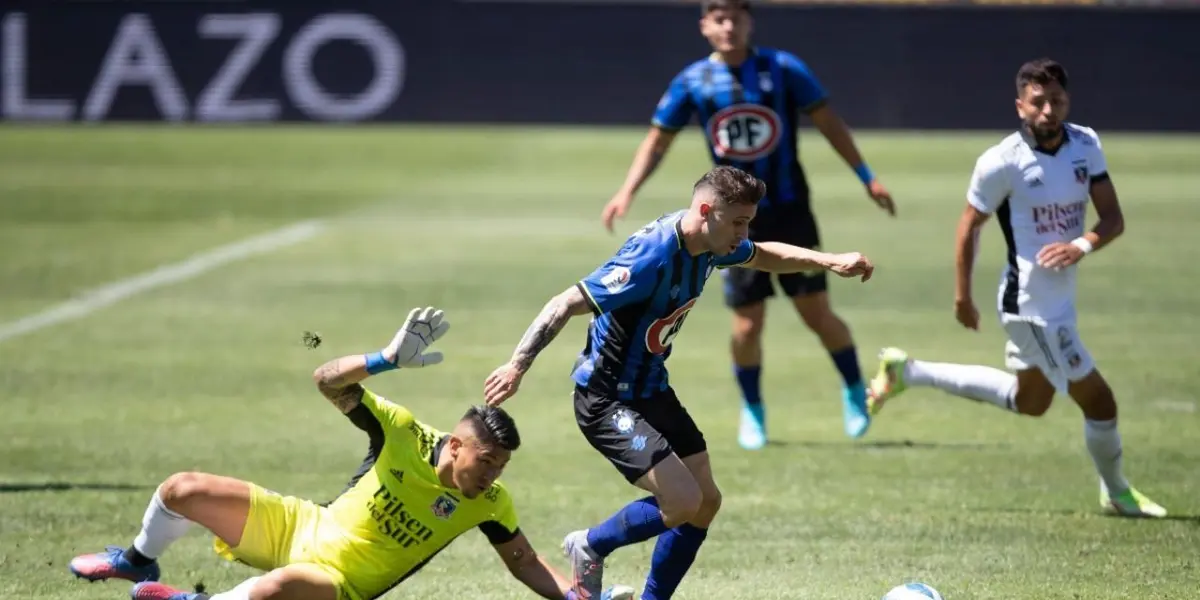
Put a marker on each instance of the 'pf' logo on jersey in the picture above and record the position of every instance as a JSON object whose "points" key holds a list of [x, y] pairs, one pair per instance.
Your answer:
{"points": [[662, 332], [744, 132]]}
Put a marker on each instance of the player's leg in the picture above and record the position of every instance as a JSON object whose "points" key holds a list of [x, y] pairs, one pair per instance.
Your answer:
{"points": [[746, 292], [1027, 353], [645, 458], [219, 504], [810, 296], [292, 582], [1089, 389], [676, 549]]}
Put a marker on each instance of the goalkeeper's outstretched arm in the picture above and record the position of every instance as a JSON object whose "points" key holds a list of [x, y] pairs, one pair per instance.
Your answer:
{"points": [[338, 380]]}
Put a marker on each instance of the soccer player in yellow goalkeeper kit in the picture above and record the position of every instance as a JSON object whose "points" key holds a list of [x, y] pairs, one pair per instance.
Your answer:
{"points": [[417, 491]]}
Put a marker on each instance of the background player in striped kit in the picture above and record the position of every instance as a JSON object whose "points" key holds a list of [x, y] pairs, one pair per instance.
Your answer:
{"points": [[748, 99]]}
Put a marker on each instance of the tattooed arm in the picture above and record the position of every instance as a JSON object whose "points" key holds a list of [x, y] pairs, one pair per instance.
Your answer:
{"points": [[339, 380], [506, 379], [552, 319]]}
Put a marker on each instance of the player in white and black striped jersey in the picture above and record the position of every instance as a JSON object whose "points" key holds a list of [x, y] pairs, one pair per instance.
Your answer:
{"points": [[1037, 183]]}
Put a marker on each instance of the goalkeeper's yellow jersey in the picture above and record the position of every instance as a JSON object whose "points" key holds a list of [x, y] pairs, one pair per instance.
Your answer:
{"points": [[397, 515]]}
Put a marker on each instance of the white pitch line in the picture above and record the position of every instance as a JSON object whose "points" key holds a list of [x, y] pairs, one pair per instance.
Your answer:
{"points": [[98, 298]]}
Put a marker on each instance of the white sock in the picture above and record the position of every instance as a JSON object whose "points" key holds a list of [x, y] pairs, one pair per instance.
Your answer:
{"points": [[241, 592], [1104, 444], [974, 382], [160, 528]]}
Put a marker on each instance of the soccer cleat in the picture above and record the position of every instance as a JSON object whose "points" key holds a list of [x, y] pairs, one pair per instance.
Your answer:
{"points": [[854, 410], [1131, 503], [889, 381], [752, 433], [587, 569], [111, 564], [152, 590], [618, 592]]}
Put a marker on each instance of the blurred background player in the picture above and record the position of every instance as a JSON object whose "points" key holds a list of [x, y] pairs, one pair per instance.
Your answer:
{"points": [[747, 98], [1037, 182], [624, 403], [390, 521]]}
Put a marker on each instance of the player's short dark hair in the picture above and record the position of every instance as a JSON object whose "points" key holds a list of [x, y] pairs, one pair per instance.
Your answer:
{"points": [[707, 6], [1041, 71], [494, 427], [733, 185]]}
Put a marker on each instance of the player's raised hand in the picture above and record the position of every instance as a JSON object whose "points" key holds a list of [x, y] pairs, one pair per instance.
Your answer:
{"points": [[1059, 255], [966, 313], [502, 384], [852, 264], [616, 208], [882, 197], [421, 329]]}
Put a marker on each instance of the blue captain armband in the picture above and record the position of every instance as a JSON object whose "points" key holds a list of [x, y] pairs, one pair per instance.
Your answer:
{"points": [[864, 173], [376, 363]]}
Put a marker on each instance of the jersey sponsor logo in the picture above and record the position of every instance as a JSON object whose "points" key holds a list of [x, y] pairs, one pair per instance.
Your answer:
{"points": [[662, 332], [616, 280], [744, 132], [444, 506], [395, 521], [1058, 218]]}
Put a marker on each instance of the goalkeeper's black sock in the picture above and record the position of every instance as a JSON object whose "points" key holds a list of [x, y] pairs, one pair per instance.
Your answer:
{"points": [[136, 558]]}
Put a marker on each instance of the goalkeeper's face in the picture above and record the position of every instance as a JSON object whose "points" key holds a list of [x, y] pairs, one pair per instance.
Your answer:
{"points": [[477, 465]]}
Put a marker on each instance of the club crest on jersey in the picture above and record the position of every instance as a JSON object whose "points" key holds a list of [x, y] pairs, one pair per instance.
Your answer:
{"points": [[1081, 174], [662, 332], [444, 506], [744, 132]]}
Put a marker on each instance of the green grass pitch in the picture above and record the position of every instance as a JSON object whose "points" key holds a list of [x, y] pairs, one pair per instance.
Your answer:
{"points": [[211, 374]]}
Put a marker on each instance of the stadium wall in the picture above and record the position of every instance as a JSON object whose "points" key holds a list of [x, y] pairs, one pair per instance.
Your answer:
{"points": [[599, 63]]}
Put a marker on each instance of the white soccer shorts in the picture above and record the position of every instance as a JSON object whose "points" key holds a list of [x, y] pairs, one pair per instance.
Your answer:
{"points": [[1053, 347]]}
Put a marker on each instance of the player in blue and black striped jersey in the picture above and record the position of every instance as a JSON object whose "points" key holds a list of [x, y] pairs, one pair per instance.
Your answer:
{"points": [[624, 402], [748, 101]]}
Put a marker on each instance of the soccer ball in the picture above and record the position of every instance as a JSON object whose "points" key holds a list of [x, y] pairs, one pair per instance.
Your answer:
{"points": [[913, 591]]}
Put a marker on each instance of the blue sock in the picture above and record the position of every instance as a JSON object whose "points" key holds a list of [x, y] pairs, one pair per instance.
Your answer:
{"points": [[846, 361], [747, 378], [639, 521], [673, 556]]}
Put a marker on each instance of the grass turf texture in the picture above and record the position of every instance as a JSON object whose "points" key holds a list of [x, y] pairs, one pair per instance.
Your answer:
{"points": [[211, 374]]}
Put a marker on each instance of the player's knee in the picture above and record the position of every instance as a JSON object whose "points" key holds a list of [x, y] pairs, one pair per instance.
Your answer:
{"points": [[681, 504], [293, 583], [748, 324], [1033, 403], [816, 313], [180, 490], [710, 504], [1094, 397]]}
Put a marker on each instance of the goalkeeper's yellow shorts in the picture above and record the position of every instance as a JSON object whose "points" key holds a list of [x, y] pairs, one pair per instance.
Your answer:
{"points": [[288, 531]]}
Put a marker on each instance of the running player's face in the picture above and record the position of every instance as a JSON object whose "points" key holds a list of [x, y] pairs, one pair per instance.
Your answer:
{"points": [[1043, 108], [728, 225], [476, 467], [726, 30]]}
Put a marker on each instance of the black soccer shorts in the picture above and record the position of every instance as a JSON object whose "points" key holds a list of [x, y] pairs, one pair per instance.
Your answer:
{"points": [[793, 224], [635, 436]]}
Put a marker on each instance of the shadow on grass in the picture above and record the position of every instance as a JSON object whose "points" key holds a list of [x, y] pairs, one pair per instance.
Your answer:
{"points": [[7, 487]]}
